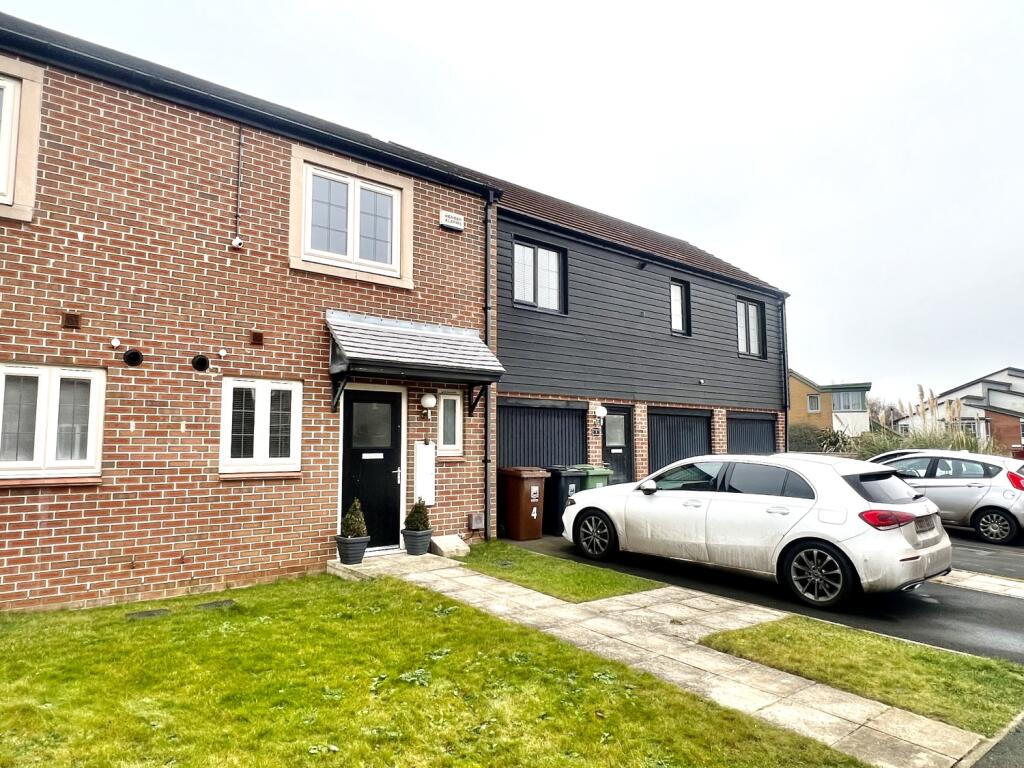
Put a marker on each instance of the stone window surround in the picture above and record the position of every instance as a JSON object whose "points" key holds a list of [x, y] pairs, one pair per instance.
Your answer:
{"points": [[303, 156], [22, 206]]}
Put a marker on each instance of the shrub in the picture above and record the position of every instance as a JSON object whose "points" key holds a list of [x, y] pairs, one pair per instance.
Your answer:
{"points": [[873, 443], [353, 524], [834, 441], [418, 519], [803, 437]]}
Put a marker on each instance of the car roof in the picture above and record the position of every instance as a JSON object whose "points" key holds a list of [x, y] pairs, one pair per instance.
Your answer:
{"points": [[987, 458], [841, 464]]}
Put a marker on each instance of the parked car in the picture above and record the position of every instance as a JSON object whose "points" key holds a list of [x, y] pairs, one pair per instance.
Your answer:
{"points": [[971, 489], [824, 526]]}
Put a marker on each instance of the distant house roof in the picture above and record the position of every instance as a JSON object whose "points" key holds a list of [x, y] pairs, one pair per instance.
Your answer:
{"points": [[74, 54], [804, 379], [862, 386], [1010, 370]]}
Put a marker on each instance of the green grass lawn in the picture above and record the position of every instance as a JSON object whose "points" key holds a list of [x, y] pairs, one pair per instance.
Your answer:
{"points": [[981, 695], [320, 671], [564, 579]]}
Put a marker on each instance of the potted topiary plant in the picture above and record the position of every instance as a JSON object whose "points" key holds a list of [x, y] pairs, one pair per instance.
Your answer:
{"points": [[353, 539], [417, 529]]}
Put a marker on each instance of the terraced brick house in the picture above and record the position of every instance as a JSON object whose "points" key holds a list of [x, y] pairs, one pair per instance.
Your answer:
{"points": [[222, 320]]}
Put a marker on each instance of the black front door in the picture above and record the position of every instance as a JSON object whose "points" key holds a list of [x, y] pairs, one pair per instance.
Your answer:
{"points": [[372, 461], [618, 444]]}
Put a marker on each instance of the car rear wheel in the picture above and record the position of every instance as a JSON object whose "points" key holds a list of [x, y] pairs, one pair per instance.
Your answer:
{"points": [[996, 526], [595, 535], [818, 573]]}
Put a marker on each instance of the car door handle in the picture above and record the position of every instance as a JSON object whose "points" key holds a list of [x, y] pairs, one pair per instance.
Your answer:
{"points": [[693, 503], [777, 510], [975, 485]]}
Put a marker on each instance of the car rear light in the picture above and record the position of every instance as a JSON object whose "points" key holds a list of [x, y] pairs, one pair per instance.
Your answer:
{"points": [[885, 520], [1016, 480]]}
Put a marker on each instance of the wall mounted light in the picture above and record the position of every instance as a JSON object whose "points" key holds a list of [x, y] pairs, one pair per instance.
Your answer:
{"points": [[600, 412], [115, 342], [428, 403], [223, 353]]}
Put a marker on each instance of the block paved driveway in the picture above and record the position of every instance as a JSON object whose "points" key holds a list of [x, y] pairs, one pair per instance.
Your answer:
{"points": [[657, 632]]}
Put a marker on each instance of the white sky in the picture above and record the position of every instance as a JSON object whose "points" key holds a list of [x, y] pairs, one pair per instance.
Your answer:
{"points": [[866, 157]]}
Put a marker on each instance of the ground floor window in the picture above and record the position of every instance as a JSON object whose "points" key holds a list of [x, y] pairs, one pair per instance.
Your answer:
{"points": [[261, 424], [52, 421], [449, 425]]}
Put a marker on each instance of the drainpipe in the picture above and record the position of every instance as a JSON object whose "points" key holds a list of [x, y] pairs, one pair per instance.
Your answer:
{"points": [[785, 370], [488, 207]]}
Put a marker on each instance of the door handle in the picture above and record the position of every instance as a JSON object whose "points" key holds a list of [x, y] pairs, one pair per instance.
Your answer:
{"points": [[777, 510], [693, 503], [398, 475], [975, 485]]}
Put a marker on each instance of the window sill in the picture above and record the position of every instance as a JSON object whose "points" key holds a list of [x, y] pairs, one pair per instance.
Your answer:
{"points": [[351, 273], [744, 356], [48, 482], [227, 476], [16, 212], [534, 308]]}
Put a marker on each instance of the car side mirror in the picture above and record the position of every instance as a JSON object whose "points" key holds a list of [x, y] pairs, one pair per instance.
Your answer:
{"points": [[648, 487]]}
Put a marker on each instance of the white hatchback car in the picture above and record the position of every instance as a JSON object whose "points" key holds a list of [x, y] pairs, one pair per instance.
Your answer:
{"points": [[822, 525]]}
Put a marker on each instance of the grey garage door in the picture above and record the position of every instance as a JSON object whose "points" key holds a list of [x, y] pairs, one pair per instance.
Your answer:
{"points": [[529, 436], [674, 434], [754, 433]]}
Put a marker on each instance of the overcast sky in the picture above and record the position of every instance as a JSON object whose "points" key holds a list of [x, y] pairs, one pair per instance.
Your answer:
{"points": [[868, 158]]}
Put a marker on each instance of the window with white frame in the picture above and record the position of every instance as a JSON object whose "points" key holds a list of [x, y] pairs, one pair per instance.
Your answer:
{"points": [[750, 327], [848, 401], [351, 222], [52, 421], [679, 304], [10, 97], [261, 426], [449, 424], [814, 403], [537, 277]]}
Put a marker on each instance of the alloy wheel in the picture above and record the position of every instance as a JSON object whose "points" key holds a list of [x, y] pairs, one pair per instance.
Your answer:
{"points": [[993, 526], [816, 575], [594, 535]]}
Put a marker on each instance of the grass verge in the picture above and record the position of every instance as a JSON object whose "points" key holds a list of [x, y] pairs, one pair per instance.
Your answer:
{"points": [[318, 671], [555, 576], [978, 694]]}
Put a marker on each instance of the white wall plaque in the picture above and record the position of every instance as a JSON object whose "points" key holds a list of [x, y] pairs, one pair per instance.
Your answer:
{"points": [[454, 221]]}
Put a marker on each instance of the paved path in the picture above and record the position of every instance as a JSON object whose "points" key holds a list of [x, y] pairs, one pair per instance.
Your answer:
{"points": [[983, 582], [937, 614], [657, 631]]}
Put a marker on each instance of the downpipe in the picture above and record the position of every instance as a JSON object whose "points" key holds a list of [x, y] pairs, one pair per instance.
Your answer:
{"points": [[488, 236]]}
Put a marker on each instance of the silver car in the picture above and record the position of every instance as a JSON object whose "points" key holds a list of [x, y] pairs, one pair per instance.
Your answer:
{"points": [[970, 489]]}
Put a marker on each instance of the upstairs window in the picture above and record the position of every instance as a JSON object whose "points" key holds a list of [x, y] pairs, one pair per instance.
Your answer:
{"points": [[538, 277], [52, 421], [21, 87], [679, 303], [10, 98], [848, 401], [750, 327], [261, 423], [351, 222], [814, 403]]}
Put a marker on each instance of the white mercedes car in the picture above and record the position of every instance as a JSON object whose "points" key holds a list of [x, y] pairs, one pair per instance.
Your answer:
{"points": [[821, 525]]}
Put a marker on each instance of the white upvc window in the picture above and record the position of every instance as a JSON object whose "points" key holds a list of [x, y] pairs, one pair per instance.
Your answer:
{"points": [[679, 303], [351, 222], [10, 104], [261, 426], [52, 421], [846, 400], [814, 403], [449, 424]]}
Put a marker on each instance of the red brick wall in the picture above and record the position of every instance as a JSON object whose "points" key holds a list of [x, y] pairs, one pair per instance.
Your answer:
{"points": [[136, 211], [1005, 428]]}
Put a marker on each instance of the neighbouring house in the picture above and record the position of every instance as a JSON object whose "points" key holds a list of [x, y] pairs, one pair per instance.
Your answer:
{"points": [[991, 407], [842, 407], [685, 352], [222, 320]]}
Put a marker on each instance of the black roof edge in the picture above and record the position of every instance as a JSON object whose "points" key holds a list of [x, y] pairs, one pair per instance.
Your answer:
{"points": [[636, 253], [57, 49]]}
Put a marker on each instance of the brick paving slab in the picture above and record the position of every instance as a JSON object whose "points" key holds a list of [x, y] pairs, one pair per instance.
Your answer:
{"points": [[656, 631]]}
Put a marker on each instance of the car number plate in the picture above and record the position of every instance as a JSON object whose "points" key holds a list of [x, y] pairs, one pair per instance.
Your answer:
{"points": [[923, 524]]}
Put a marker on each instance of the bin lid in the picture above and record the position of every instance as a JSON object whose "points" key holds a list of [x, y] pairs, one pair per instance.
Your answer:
{"points": [[592, 469], [525, 472], [566, 471]]}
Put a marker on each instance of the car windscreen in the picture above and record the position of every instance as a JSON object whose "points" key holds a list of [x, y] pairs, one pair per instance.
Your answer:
{"points": [[882, 488]]}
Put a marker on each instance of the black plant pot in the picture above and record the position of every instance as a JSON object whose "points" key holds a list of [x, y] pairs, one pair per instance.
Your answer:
{"points": [[417, 542], [350, 550]]}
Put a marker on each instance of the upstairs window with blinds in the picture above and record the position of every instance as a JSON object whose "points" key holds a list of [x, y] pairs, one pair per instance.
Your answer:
{"points": [[750, 327], [538, 276], [260, 426], [51, 421]]}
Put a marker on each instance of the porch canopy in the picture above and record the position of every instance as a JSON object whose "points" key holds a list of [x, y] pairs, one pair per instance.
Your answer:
{"points": [[363, 345]]}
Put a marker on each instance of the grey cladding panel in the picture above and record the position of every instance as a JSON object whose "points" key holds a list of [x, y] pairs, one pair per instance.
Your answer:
{"points": [[616, 338], [540, 437]]}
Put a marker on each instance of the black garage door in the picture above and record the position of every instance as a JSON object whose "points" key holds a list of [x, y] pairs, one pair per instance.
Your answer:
{"points": [[752, 433], [530, 436], [674, 434]]}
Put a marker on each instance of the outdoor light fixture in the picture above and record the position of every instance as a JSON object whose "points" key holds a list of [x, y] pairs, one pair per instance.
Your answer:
{"points": [[600, 412], [115, 343], [223, 353], [428, 402]]}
